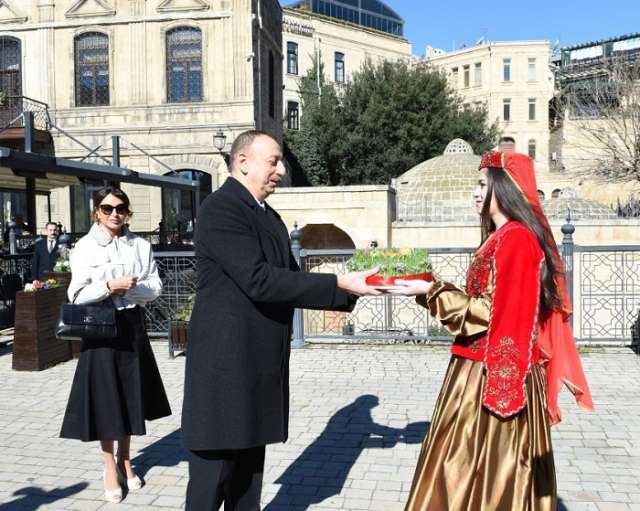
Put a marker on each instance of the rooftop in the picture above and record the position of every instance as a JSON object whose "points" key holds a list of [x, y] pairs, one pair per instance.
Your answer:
{"points": [[602, 41], [372, 14]]}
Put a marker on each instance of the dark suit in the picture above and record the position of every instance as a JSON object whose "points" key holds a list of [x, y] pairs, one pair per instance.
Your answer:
{"points": [[42, 259], [237, 370]]}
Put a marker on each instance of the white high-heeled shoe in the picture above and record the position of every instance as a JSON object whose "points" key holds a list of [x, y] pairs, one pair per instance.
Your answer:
{"points": [[113, 496], [135, 483]]}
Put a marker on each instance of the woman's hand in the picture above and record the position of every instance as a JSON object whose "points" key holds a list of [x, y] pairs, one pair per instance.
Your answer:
{"points": [[123, 284], [411, 287]]}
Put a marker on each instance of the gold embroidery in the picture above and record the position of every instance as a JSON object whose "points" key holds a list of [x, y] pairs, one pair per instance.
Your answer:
{"points": [[504, 375]]}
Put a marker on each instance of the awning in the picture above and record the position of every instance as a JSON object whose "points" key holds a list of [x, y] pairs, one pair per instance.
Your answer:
{"points": [[51, 172]]}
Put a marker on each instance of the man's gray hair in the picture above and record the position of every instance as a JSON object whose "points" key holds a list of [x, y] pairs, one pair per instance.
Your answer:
{"points": [[242, 143]]}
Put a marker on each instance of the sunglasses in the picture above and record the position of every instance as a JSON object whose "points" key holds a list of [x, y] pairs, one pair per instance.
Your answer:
{"points": [[107, 209]]}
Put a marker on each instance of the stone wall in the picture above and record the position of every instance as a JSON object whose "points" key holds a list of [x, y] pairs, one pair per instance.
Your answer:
{"points": [[177, 134], [363, 212]]}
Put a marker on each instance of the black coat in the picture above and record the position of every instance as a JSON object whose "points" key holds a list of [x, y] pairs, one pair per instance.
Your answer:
{"points": [[236, 392], [42, 260]]}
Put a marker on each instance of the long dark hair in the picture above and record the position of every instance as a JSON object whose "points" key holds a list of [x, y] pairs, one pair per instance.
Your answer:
{"points": [[514, 206]]}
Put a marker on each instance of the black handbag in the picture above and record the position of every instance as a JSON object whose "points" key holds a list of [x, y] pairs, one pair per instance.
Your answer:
{"points": [[95, 321]]}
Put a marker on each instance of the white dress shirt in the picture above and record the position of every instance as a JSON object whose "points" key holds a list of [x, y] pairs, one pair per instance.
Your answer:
{"points": [[98, 258]]}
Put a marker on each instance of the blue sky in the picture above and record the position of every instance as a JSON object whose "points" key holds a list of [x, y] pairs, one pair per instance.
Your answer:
{"points": [[447, 22]]}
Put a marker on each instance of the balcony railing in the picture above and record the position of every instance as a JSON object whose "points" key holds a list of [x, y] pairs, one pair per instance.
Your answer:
{"points": [[13, 107]]}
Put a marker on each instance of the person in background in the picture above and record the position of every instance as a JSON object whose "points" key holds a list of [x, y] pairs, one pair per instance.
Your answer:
{"points": [[20, 228], [507, 145], [45, 252]]}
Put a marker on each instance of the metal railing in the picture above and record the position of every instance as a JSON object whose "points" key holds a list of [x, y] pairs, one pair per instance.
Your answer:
{"points": [[178, 273], [14, 106], [606, 294], [604, 282]]}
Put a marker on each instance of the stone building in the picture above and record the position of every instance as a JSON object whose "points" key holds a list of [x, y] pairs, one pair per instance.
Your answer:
{"points": [[514, 81], [587, 132], [164, 75], [430, 206], [341, 38]]}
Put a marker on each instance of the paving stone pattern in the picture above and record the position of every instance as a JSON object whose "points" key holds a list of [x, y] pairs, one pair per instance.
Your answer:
{"points": [[358, 417]]}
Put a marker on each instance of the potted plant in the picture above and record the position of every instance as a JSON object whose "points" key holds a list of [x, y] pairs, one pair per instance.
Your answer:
{"points": [[62, 269], [394, 263], [35, 346], [179, 328]]}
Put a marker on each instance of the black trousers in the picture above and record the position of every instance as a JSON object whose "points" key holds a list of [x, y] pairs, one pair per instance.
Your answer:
{"points": [[230, 476]]}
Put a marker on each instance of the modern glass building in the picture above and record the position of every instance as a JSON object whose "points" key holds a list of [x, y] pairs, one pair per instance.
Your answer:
{"points": [[368, 13]]}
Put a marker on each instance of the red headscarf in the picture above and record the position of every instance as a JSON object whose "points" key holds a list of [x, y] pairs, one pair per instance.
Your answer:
{"points": [[555, 337]]}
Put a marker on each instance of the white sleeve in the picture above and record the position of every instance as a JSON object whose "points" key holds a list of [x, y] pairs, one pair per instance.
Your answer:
{"points": [[82, 287], [149, 285]]}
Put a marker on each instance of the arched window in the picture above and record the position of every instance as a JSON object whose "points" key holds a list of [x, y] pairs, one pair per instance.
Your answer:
{"points": [[92, 69], [10, 78], [555, 194], [324, 236], [541, 195], [10, 66], [184, 65], [179, 206], [293, 115]]}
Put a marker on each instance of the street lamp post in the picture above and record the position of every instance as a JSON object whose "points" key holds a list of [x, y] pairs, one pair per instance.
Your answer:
{"points": [[219, 140]]}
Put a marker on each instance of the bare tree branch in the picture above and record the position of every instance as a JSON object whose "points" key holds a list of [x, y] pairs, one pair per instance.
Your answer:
{"points": [[604, 110]]}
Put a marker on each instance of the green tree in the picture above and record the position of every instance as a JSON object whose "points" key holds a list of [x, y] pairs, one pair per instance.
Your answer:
{"points": [[315, 143], [390, 117]]}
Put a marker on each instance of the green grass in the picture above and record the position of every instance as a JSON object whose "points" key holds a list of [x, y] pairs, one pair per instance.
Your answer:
{"points": [[392, 262]]}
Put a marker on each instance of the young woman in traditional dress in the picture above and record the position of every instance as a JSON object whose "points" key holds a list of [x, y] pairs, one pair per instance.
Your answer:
{"points": [[489, 443]]}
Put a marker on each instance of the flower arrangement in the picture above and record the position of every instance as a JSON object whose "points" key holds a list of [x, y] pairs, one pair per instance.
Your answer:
{"points": [[37, 285], [63, 264], [405, 263]]}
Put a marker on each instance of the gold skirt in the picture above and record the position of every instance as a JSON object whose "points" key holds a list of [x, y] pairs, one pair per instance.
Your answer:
{"points": [[473, 460]]}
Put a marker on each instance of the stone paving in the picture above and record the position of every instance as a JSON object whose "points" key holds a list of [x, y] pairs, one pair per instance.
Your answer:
{"points": [[358, 417]]}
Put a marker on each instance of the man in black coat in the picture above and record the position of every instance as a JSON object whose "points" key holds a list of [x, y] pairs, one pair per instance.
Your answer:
{"points": [[236, 393], [45, 252]]}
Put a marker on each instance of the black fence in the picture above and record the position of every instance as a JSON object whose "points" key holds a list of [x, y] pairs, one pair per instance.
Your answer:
{"points": [[604, 283], [178, 273], [605, 286]]}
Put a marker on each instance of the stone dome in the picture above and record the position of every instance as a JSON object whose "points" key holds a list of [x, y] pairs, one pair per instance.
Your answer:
{"points": [[439, 189], [458, 146], [581, 209]]}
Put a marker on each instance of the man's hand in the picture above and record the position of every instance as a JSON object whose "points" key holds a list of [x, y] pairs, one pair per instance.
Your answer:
{"points": [[123, 284], [355, 283], [411, 287]]}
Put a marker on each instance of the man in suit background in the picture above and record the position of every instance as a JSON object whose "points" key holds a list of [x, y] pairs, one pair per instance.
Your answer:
{"points": [[236, 394], [45, 252]]}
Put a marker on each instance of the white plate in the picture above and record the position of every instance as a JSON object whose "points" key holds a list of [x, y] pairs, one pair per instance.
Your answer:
{"points": [[388, 289]]}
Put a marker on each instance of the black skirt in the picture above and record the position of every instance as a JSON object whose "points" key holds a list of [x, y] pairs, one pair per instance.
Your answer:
{"points": [[117, 385]]}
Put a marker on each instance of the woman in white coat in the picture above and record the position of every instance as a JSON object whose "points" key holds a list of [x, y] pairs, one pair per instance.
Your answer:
{"points": [[117, 385]]}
